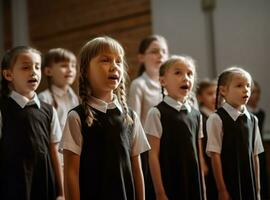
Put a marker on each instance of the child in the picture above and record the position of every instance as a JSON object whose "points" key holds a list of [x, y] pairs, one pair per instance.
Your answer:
{"points": [[30, 131], [260, 114], [206, 95], [234, 140], [103, 139], [59, 66], [174, 131], [145, 91]]}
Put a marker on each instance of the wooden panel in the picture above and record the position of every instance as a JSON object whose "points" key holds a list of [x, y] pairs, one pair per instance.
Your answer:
{"points": [[70, 24]]}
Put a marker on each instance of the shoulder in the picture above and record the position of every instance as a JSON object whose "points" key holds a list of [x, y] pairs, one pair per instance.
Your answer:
{"points": [[214, 118], [45, 96], [138, 82]]}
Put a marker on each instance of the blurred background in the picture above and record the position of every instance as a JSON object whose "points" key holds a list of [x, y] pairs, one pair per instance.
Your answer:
{"points": [[217, 34]]}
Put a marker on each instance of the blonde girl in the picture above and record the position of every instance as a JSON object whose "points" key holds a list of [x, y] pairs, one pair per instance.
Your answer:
{"points": [[234, 140], [29, 131], [174, 131], [103, 138]]}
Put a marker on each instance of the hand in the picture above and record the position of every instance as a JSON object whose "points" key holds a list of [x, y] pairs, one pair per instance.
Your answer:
{"points": [[161, 197], [224, 195], [205, 169], [60, 198]]}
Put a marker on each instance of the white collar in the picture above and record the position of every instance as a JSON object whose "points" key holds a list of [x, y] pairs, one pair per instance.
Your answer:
{"points": [[234, 113], [177, 105], [102, 106], [153, 83], [59, 91], [23, 101], [206, 111]]}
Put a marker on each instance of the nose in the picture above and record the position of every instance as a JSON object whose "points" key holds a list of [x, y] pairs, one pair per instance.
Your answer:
{"points": [[113, 66]]}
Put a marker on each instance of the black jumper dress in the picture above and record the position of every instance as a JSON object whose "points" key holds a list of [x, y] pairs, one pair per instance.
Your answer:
{"points": [[26, 171], [179, 153], [237, 155], [105, 161]]}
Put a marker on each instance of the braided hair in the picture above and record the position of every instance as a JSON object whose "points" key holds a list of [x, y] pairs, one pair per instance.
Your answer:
{"points": [[8, 60], [225, 78], [53, 56], [89, 51]]}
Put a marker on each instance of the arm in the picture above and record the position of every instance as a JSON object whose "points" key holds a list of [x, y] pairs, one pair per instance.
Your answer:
{"points": [[204, 167], [155, 167], [138, 177], [71, 175], [257, 175], [217, 170], [57, 169]]}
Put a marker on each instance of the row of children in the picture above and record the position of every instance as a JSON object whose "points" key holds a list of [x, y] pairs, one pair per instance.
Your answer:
{"points": [[103, 138]]}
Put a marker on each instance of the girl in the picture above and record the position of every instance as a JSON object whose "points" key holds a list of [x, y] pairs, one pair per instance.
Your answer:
{"points": [[59, 66], [206, 95], [30, 131], [234, 141], [145, 91], [174, 132], [103, 139]]}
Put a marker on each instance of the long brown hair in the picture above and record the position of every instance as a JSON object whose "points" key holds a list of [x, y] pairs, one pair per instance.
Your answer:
{"points": [[89, 51]]}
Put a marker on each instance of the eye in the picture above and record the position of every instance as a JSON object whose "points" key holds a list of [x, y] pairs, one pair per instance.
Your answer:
{"points": [[177, 72], [105, 59]]}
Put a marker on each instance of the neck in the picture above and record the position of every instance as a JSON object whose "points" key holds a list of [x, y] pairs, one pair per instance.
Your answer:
{"points": [[64, 88], [107, 97]]}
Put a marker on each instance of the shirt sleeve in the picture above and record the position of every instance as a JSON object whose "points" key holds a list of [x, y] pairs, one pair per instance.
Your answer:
{"points": [[215, 134], [140, 142], [258, 146], [135, 97], [152, 124], [72, 137], [56, 132]]}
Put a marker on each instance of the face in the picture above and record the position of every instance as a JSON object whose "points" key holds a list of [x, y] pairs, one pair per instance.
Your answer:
{"points": [[238, 91], [154, 56], [62, 73], [25, 74], [178, 80], [105, 74], [208, 97]]}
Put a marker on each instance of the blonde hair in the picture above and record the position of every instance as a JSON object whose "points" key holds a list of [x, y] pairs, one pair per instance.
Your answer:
{"points": [[225, 78], [89, 51], [186, 60]]}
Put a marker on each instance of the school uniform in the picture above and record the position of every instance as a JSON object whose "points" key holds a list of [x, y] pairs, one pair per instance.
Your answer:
{"points": [[27, 130], [211, 189], [236, 137], [105, 150], [66, 100], [179, 127]]}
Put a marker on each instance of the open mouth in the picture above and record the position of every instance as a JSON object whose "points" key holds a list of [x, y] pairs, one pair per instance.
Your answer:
{"points": [[184, 87], [114, 77], [32, 80]]}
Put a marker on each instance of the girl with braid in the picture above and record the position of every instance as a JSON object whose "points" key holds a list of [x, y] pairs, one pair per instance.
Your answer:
{"points": [[234, 140], [59, 67], [174, 130], [103, 138]]}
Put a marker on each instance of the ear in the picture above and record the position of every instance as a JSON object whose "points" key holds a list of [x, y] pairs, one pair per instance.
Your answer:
{"points": [[7, 74], [223, 90], [162, 81], [141, 58], [47, 71]]}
